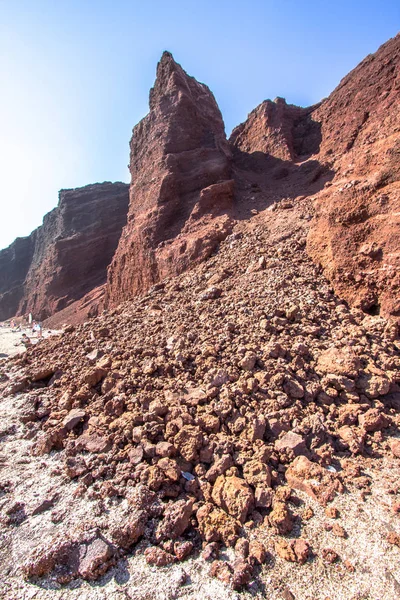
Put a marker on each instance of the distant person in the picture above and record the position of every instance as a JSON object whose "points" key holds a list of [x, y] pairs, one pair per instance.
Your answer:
{"points": [[26, 341]]}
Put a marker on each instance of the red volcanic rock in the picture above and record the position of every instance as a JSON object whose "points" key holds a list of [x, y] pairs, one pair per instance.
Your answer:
{"points": [[355, 233], [278, 129], [67, 256], [350, 144], [181, 190]]}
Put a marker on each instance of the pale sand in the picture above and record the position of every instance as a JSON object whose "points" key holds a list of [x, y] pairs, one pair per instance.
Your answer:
{"points": [[11, 342]]}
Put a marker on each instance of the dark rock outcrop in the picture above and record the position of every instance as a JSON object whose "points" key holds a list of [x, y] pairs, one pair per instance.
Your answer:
{"points": [[67, 256], [181, 189]]}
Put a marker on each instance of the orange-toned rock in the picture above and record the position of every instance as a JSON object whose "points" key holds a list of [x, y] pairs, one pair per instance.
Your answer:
{"points": [[215, 525], [234, 495], [314, 480]]}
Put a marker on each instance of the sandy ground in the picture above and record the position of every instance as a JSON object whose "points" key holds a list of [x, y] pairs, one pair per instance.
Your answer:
{"points": [[10, 341]]}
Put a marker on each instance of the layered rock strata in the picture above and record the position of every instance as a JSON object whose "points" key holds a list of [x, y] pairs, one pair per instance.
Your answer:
{"points": [[67, 256], [355, 231]]}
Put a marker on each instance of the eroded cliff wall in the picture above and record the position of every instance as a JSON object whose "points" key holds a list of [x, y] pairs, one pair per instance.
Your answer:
{"points": [[67, 256]]}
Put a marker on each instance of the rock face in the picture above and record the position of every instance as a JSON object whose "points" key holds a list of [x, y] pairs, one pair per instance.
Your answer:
{"points": [[181, 190], [279, 129], [67, 256], [354, 136], [355, 232], [189, 185]]}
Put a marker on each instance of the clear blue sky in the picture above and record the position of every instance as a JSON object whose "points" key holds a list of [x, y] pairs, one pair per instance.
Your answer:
{"points": [[75, 76]]}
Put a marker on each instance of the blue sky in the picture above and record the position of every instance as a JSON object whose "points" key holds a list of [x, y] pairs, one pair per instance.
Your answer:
{"points": [[75, 77]]}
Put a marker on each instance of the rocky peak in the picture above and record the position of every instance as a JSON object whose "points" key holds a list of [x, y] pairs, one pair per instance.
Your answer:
{"points": [[278, 129], [177, 151]]}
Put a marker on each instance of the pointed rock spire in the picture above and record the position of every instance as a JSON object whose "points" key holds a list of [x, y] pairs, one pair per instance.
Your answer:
{"points": [[177, 150]]}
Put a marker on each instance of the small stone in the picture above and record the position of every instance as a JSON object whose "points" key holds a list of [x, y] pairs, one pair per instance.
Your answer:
{"points": [[308, 513], [242, 573], [281, 518], [165, 449], [395, 447], [339, 531], [257, 552], [96, 560], [222, 571], [183, 549], [330, 555], [263, 497], [331, 512], [45, 505], [393, 538], [158, 557], [210, 551], [242, 548], [292, 442]]}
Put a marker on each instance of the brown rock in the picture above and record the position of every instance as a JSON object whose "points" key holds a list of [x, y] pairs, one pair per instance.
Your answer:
{"points": [[293, 550], [281, 518], [165, 449], [395, 447], [339, 531], [48, 270], [257, 553], [234, 495], [188, 442], [293, 443], [332, 512], [353, 438], [342, 361], [158, 557], [373, 420], [219, 467], [215, 525], [263, 497], [242, 573], [314, 480], [96, 559], [74, 417], [222, 571], [183, 549], [330, 555], [242, 548], [176, 520], [210, 551], [179, 149], [127, 533], [257, 473]]}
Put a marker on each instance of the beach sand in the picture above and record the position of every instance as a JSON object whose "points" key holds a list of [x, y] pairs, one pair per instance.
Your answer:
{"points": [[10, 341]]}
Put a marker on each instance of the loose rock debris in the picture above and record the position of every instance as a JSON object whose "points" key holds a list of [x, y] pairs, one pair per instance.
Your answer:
{"points": [[213, 426]]}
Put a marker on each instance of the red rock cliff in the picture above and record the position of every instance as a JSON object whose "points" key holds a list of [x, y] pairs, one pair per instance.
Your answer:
{"points": [[355, 136], [67, 256], [181, 190], [355, 234]]}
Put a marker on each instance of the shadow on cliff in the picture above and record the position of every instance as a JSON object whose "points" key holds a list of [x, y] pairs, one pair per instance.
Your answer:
{"points": [[262, 179]]}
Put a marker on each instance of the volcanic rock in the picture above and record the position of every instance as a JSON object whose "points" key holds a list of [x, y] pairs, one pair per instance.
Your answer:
{"points": [[181, 187], [67, 256]]}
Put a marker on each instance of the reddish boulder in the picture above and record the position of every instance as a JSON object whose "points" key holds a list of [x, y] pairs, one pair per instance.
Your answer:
{"points": [[314, 480], [234, 495]]}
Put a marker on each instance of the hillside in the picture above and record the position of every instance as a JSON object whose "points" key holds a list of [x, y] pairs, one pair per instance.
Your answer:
{"points": [[229, 425]]}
